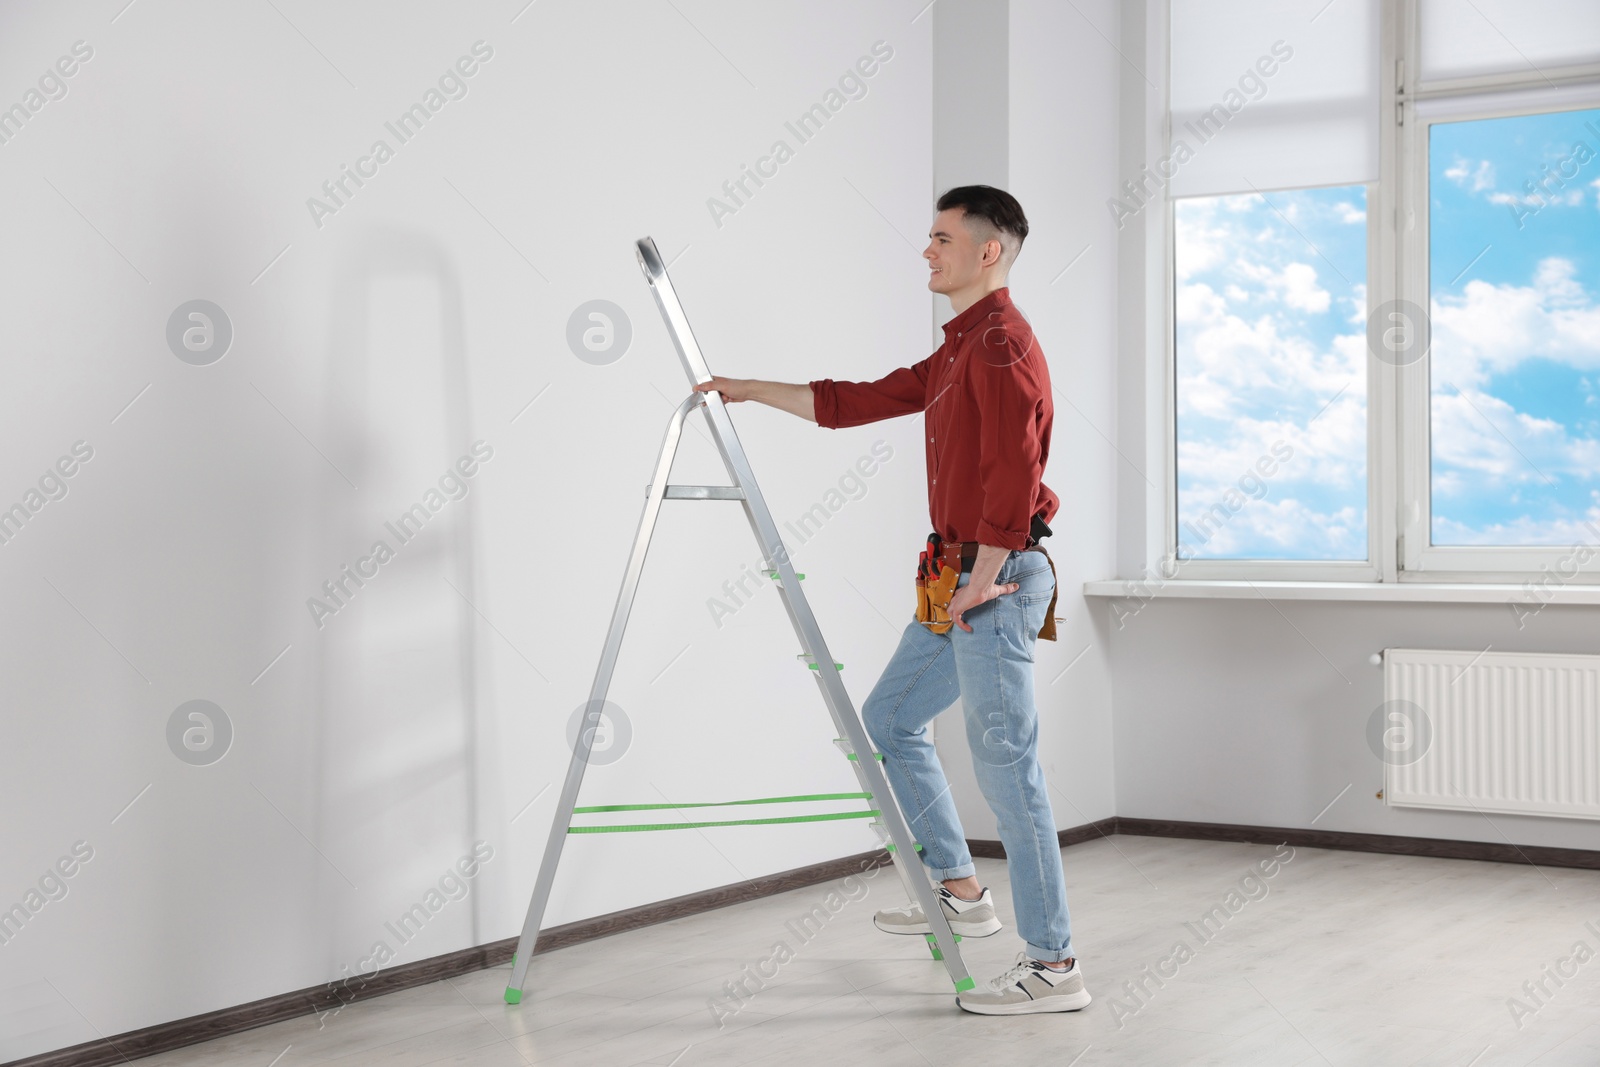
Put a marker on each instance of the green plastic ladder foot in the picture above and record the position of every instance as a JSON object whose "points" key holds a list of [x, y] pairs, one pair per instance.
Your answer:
{"points": [[965, 984], [513, 996]]}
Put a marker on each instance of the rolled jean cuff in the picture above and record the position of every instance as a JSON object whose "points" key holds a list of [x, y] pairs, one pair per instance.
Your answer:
{"points": [[950, 874], [1050, 955]]}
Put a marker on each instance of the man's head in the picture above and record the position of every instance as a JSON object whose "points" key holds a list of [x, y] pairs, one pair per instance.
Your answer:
{"points": [[975, 238]]}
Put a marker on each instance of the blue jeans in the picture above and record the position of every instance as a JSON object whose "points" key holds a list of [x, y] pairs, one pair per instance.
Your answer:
{"points": [[991, 669]]}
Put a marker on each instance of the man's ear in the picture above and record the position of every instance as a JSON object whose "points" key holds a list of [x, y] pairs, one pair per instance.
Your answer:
{"points": [[999, 250]]}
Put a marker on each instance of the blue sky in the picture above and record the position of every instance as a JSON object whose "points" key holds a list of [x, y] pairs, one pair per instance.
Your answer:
{"points": [[1271, 369], [1515, 360]]}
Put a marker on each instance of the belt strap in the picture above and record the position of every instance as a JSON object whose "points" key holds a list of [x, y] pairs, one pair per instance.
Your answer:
{"points": [[959, 555]]}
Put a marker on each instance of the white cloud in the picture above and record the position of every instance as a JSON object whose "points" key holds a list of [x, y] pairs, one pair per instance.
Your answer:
{"points": [[1278, 527], [1296, 284], [1483, 444], [1477, 179], [1349, 213], [1490, 329], [1300, 288]]}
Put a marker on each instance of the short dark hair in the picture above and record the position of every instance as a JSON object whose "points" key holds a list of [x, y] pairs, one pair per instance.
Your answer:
{"points": [[995, 206]]}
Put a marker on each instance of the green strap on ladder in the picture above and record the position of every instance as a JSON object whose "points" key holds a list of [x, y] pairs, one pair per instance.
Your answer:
{"points": [[723, 803], [869, 814], [802, 799]]}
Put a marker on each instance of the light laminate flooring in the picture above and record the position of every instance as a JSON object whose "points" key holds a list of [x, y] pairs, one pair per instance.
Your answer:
{"points": [[1338, 958]]}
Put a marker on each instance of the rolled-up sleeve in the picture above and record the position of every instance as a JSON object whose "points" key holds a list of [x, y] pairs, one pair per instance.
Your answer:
{"points": [[843, 404], [1009, 398]]}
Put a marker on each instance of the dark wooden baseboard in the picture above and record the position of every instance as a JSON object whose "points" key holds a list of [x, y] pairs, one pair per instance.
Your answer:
{"points": [[316, 999], [994, 850], [1435, 847]]}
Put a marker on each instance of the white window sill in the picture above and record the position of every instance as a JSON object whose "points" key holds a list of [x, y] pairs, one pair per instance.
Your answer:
{"points": [[1410, 592]]}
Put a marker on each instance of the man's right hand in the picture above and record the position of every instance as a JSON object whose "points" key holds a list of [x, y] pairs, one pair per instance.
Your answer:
{"points": [[733, 390]]}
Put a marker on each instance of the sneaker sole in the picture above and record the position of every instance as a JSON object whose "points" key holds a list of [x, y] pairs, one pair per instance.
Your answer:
{"points": [[1066, 1002], [983, 929]]}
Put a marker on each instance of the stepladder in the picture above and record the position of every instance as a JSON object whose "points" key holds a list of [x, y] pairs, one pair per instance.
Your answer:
{"points": [[850, 734]]}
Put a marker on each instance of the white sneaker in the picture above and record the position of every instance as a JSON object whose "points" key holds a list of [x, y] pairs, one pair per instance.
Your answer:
{"points": [[967, 918], [1028, 987]]}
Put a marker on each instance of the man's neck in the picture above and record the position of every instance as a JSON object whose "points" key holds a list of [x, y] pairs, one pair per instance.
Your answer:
{"points": [[961, 301]]}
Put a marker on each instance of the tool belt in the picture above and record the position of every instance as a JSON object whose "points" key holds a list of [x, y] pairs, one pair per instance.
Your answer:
{"points": [[940, 566]]}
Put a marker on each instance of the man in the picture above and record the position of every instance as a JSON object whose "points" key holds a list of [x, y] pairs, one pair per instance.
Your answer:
{"points": [[988, 413]]}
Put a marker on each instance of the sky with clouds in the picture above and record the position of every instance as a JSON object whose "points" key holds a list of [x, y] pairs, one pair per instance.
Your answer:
{"points": [[1271, 375], [1271, 351], [1514, 272]]}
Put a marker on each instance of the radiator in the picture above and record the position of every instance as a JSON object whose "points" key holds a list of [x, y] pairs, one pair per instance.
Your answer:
{"points": [[1508, 732]]}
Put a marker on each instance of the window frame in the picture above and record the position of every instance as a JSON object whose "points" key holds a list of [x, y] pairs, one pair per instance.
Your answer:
{"points": [[1459, 99]]}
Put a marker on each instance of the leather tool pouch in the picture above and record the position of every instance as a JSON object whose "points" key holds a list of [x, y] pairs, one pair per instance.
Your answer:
{"points": [[1047, 632], [936, 585]]}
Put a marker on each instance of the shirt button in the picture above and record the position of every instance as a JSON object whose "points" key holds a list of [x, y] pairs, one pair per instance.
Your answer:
{"points": [[930, 440], [952, 359]]}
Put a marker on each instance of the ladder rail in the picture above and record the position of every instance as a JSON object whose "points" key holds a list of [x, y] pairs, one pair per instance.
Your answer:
{"points": [[582, 749]]}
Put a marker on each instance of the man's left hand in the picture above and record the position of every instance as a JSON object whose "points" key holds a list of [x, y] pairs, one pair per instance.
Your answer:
{"points": [[970, 596]]}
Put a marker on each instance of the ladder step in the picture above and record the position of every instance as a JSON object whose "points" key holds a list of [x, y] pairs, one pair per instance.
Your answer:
{"points": [[849, 753], [700, 492], [774, 575]]}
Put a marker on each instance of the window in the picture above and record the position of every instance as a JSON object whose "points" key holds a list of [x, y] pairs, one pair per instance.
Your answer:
{"points": [[1499, 172], [1384, 253], [1273, 149]]}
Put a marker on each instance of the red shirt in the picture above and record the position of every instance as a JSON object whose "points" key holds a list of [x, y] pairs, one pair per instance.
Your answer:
{"points": [[986, 392]]}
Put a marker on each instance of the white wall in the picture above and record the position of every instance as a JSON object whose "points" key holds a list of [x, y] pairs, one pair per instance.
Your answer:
{"points": [[1242, 711], [423, 316]]}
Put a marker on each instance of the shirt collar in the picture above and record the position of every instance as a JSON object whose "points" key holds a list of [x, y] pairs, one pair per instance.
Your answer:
{"points": [[1000, 298]]}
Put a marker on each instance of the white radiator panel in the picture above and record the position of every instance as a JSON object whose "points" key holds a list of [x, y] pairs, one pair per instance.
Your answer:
{"points": [[1507, 732]]}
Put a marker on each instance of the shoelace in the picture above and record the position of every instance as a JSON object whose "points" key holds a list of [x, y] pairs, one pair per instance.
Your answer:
{"points": [[1019, 970]]}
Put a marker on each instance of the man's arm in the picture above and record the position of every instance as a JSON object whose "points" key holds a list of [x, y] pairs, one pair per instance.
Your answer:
{"points": [[785, 396]]}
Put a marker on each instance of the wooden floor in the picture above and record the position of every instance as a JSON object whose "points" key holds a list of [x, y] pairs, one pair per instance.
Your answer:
{"points": [[1335, 958]]}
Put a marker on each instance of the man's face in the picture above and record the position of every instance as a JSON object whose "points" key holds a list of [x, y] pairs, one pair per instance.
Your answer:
{"points": [[954, 255]]}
